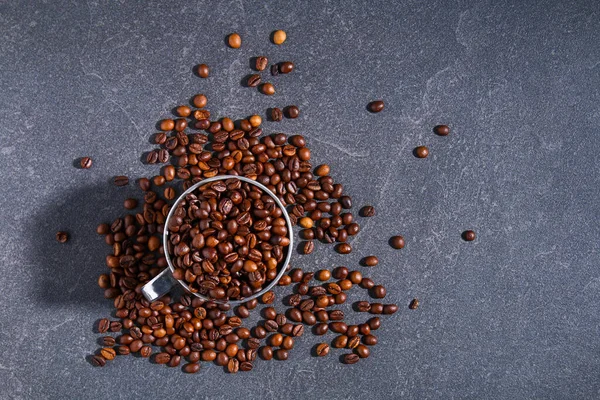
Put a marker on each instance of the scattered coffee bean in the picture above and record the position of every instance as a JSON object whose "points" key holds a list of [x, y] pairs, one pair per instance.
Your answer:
{"points": [[130, 204], [276, 114], [279, 37], [441, 130], [368, 211], [199, 101], [414, 304], [374, 323], [282, 354], [421, 151], [292, 112], [254, 80], [191, 368], [376, 308], [344, 248], [203, 70], [167, 125], [103, 325], [323, 275], [468, 236], [121, 180], [390, 309], [62, 237], [379, 292], [322, 349], [308, 247], [351, 358], [234, 41], [255, 121], [370, 261], [340, 273], [397, 242], [286, 67], [85, 162], [376, 106], [261, 63], [363, 306], [268, 89], [362, 351], [108, 341], [98, 361]]}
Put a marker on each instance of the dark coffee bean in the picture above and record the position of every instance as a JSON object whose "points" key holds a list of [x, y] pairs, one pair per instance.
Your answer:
{"points": [[353, 342], [379, 292], [276, 114], [108, 341], [376, 308], [191, 368], [414, 304], [369, 340], [298, 330], [338, 327], [364, 329], [390, 309], [152, 157], [336, 315], [246, 366], [203, 70], [266, 353], [123, 350], [322, 349], [144, 184], [367, 283], [233, 366], [351, 358], [292, 112], [346, 202], [145, 351], [271, 326], [130, 204], [340, 273], [368, 211], [162, 358], [308, 318], [376, 106], [321, 329], [374, 323], [98, 361], [261, 63], [254, 80], [62, 237], [397, 242], [362, 351], [274, 70], [121, 180], [103, 325], [340, 341], [286, 67], [468, 236], [370, 261], [281, 319], [421, 151], [268, 297], [441, 130], [85, 163], [307, 305], [308, 247], [344, 248], [282, 354], [363, 306]]}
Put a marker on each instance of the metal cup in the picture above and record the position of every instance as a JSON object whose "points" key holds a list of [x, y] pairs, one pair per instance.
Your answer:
{"points": [[164, 282]]}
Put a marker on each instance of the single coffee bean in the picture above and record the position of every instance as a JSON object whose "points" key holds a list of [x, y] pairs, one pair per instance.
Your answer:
{"points": [[421, 151], [266, 353], [298, 330], [321, 329], [468, 236], [376, 106], [162, 358], [286, 67], [367, 283], [62, 237], [276, 114], [279, 37], [255, 121], [340, 341], [271, 326], [368, 211], [379, 291], [108, 341], [340, 273], [274, 69], [376, 308], [352, 330], [292, 112], [234, 40], [390, 309], [362, 351], [167, 125], [145, 351], [123, 350], [268, 89], [364, 329], [370, 261], [441, 130], [103, 325], [344, 248], [282, 354], [397, 242], [338, 327], [200, 101], [184, 111], [351, 358], [353, 342], [374, 323], [130, 204], [323, 275], [261, 63], [98, 361], [309, 318], [191, 368], [144, 184], [414, 304], [268, 297], [288, 343], [203, 70], [108, 353], [322, 170], [246, 366], [276, 340], [308, 247], [254, 80], [363, 306], [121, 180], [369, 340], [322, 349], [85, 162]]}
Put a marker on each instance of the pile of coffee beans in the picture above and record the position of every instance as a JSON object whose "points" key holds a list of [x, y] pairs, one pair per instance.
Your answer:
{"points": [[227, 240]]}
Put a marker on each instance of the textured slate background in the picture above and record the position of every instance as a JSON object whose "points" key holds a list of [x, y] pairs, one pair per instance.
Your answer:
{"points": [[512, 315]]}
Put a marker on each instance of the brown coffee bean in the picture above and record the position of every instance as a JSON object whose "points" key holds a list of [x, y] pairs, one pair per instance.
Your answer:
{"points": [[340, 341], [167, 125], [322, 349], [397, 242], [441, 130], [378, 291], [282, 354], [340, 273], [98, 361], [367, 211], [421, 152], [191, 368], [234, 40], [261, 63], [286, 67], [274, 69], [362, 351], [376, 106], [130, 204], [323, 275], [85, 162], [363, 306], [374, 323], [123, 350], [268, 297], [338, 327], [350, 358], [62, 237], [203, 70], [414, 304], [108, 341], [276, 114], [266, 353], [279, 37], [344, 248], [376, 308], [370, 261], [162, 358], [390, 309], [292, 112], [108, 353], [468, 236], [121, 180], [308, 247], [268, 89], [367, 283], [253, 80], [103, 325], [321, 329], [200, 101]]}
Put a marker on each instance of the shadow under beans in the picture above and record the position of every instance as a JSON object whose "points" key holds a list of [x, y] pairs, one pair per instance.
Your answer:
{"points": [[68, 272]]}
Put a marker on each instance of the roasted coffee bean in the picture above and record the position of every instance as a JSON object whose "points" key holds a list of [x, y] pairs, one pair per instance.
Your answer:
{"points": [[363, 306], [203, 70], [308, 247], [344, 248], [336, 315], [62, 237], [282, 354], [374, 323], [441, 130], [274, 69], [367, 283], [191, 368], [338, 327], [390, 309], [353, 342], [108, 353], [397, 242], [350, 358], [292, 112], [367, 211], [268, 89], [266, 353], [200, 101], [261, 63], [298, 330], [340, 341], [162, 358], [340, 273], [468, 236], [85, 162], [370, 261], [288, 343], [103, 325], [254, 80], [323, 275], [321, 329], [246, 366], [369, 340], [362, 351], [421, 151], [233, 366], [123, 350], [364, 329], [276, 114], [145, 351], [322, 349], [234, 40], [414, 304], [130, 204], [309, 318], [376, 106], [98, 361], [268, 297], [121, 180], [378, 292], [286, 67], [376, 308], [271, 326], [108, 341]]}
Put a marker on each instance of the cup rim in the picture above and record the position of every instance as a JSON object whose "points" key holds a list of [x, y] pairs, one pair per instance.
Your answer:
{"points": [[265, 190]]}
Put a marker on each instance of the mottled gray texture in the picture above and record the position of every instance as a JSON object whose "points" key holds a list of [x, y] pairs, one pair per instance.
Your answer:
{"points": [[512, 315]]}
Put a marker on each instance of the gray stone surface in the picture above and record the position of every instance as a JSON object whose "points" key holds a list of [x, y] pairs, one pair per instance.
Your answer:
{"points": [[512, 315]]}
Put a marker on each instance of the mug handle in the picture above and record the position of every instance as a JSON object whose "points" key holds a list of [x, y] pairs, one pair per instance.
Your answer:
{"points": [[160, 285]]}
